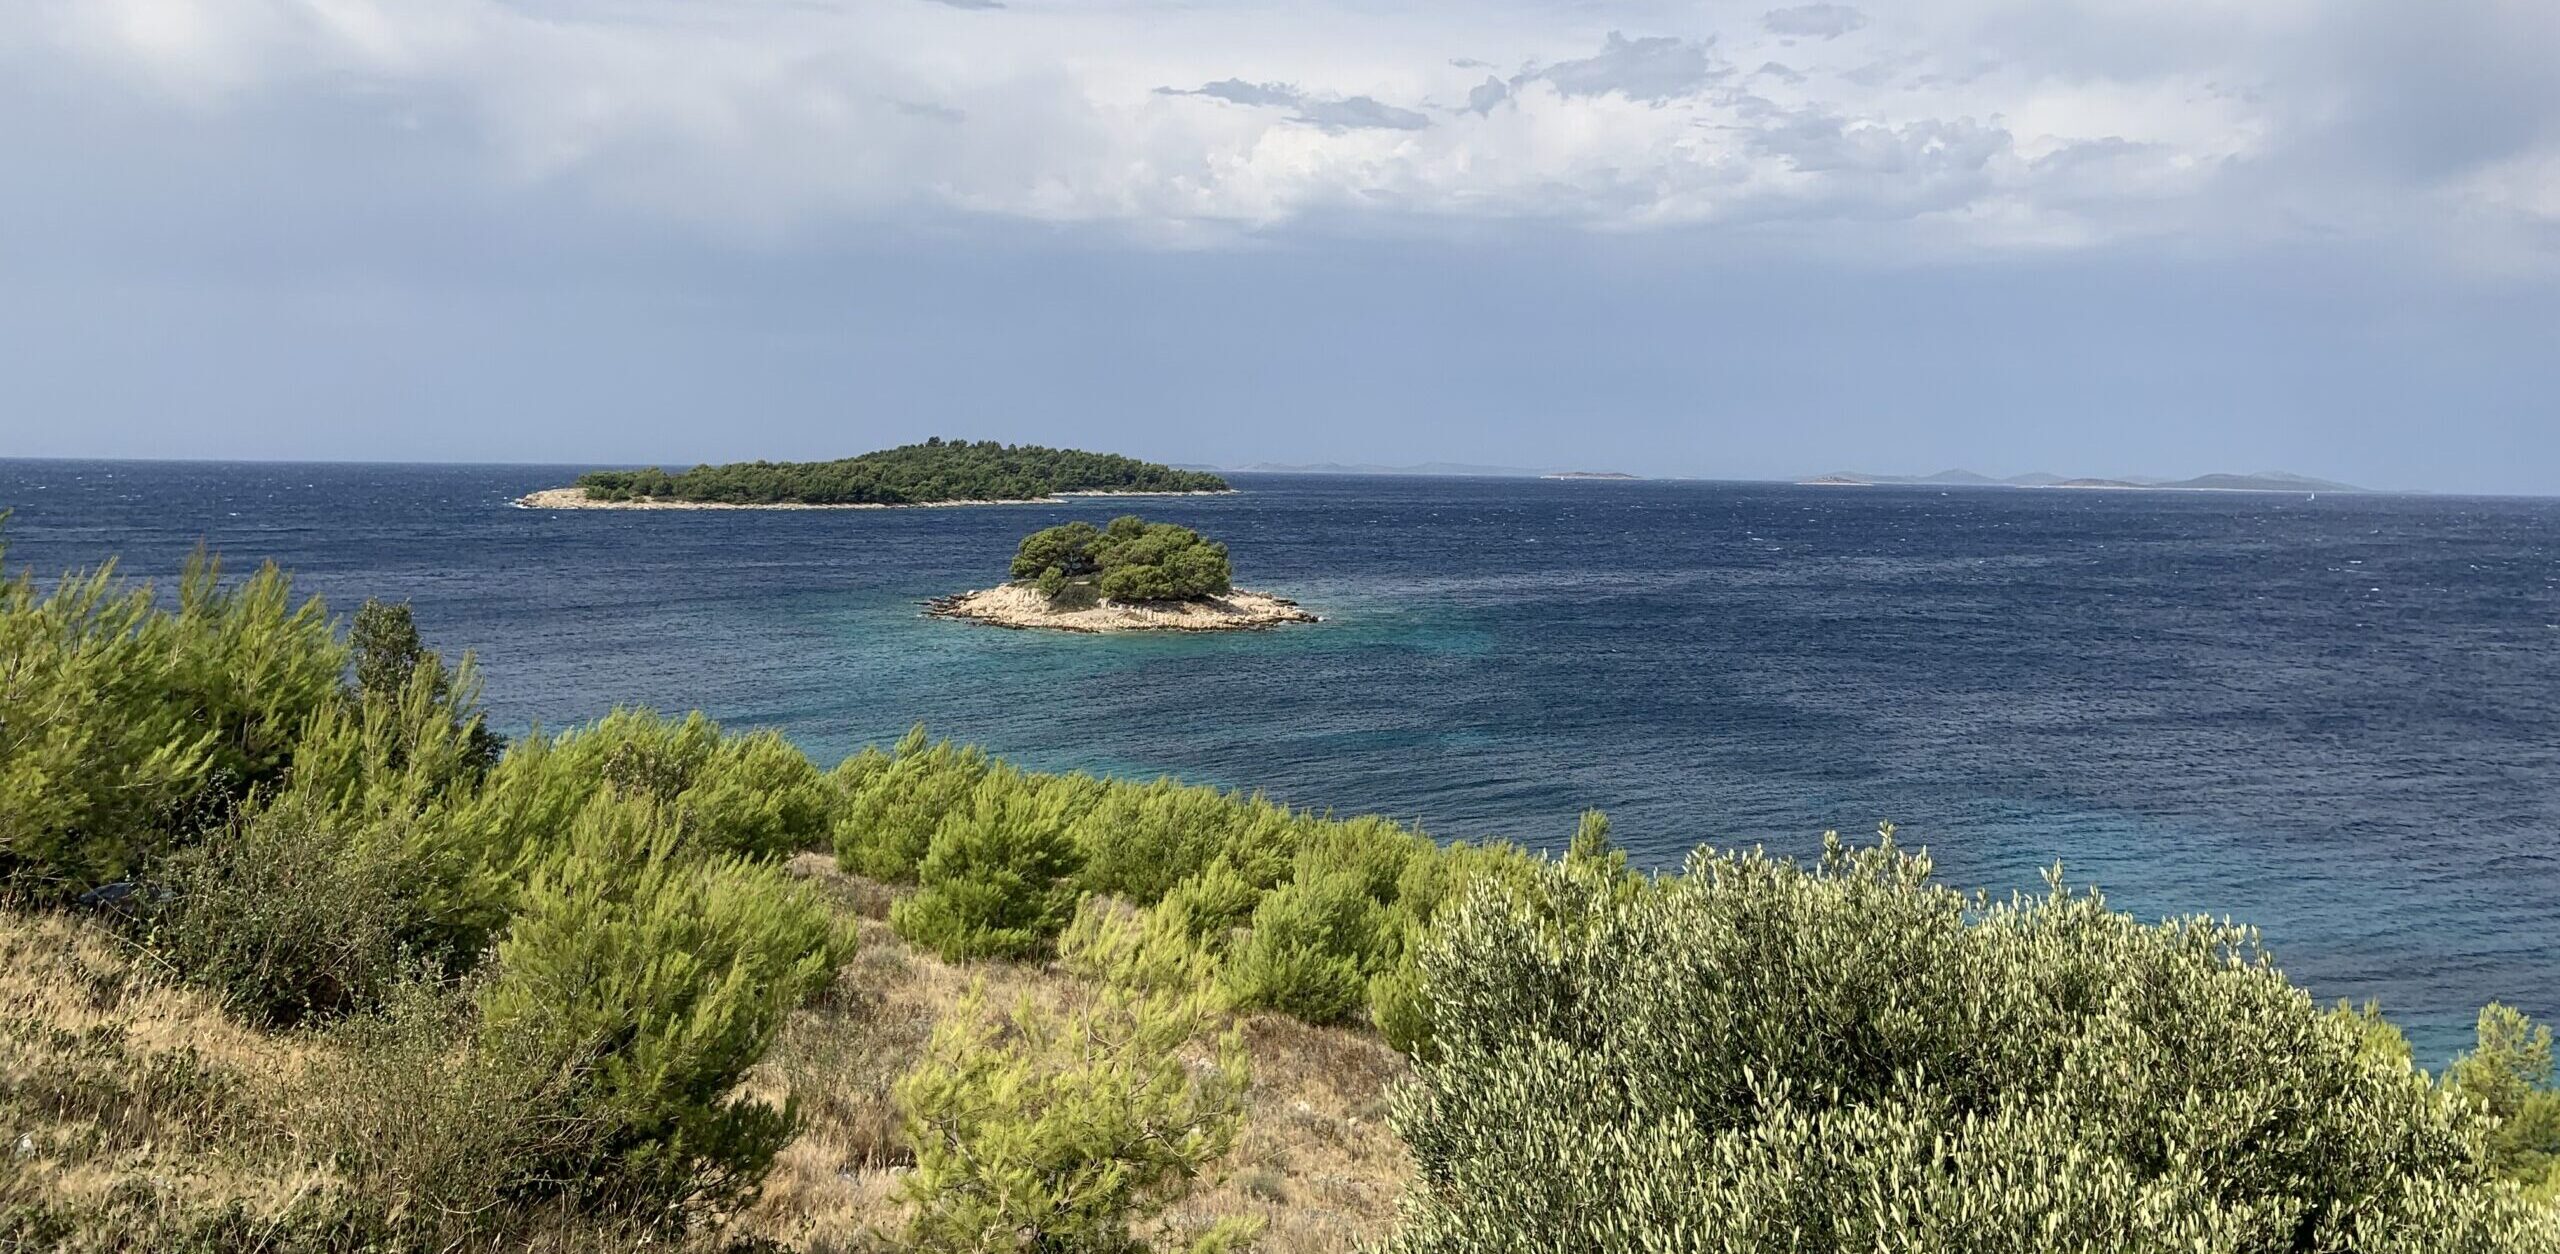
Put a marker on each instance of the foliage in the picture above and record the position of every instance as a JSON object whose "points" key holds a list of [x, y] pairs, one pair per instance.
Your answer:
{"points": [[1066, 1133], [657, 979], [2508, 1074], [1142, 949], [1210, 905], [1756, 1056], [1309, 948], [936, 470], [287, 915], [1139, 840], [1144, 561], [459, 1139], [126, 726], [996, 880], [387, 653], [1130, 560], [887, 824], [1066, 549], [749, 794]]}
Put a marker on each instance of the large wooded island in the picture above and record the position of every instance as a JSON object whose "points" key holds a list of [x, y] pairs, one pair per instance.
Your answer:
{"points": [[936, 472]]}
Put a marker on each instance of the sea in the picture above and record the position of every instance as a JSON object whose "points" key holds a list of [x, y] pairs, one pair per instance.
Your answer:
{"points": [[2336, 718]]}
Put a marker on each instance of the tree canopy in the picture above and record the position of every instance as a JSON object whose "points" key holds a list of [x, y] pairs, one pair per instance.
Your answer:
{"points": [[1130, 560], [913, 474]]}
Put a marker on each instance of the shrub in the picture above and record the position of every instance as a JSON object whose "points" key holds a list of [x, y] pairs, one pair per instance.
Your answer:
{"points": [[1308, 949], [884, 830], [1066, 1133], [1066, 549], [288, 916], [1131, 560], [1139, 840], [757, 795], [657, 979], [995, 882], [1212, 904], [1755, 1056], [125, 726], [2507, 1074], [1143, 949], [460, 1142]]}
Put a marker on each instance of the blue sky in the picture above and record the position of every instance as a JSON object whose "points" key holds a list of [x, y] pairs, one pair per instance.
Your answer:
{"points": [[1708, 239]]}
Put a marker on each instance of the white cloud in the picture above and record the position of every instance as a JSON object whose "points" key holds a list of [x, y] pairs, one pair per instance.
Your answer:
{"points": [[1974, 124]]}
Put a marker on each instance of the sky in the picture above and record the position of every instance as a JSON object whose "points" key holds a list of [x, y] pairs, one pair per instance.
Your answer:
{"points": [[1724, 240]]}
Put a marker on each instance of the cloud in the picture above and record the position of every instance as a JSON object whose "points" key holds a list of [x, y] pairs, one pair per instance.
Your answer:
{"points": [[1354, 112], [1657, 68], [1813, 21], [1238, 91], [1962, 126], [1330, 113]]}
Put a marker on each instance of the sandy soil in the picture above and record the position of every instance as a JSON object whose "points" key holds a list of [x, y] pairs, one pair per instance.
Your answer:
{"points": [[576, 498], [1016, 605]]}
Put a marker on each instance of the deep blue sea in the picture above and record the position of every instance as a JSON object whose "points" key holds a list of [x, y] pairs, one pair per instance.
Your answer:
{"points": [[2338, 719]]}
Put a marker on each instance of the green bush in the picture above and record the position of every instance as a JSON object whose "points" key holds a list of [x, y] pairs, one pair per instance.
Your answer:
{"points": [[1066, 549], [758, 795], [2507, 1075], [1067, 1134], [125, 726], [461, 1144], [1212, 904], [885, 828], [1139, 840], [1308, 950], [1141, 949], [656, 978], [1131, 560], [996, 882], [388, 654], [1144, 561], [287, 916], [1754, 1056]]}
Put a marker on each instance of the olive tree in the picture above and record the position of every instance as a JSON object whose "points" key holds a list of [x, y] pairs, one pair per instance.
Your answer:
{"points": [[1757, 1056]]}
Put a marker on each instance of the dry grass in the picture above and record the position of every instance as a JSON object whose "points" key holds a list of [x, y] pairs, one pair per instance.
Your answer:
{"points": [[124, 1094], [1314, 1158]]}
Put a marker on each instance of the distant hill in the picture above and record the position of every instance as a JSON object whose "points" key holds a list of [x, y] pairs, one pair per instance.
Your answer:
{"points": [[2261, 481], [1590, 474], [1365, 468]]}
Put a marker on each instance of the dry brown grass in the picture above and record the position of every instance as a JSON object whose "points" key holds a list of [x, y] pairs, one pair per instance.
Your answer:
{"points": [[1314, 1158], [121, 1090]]}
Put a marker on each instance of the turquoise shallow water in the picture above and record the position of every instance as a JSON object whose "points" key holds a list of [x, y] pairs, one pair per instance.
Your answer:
{"points": [[2331, 718]]}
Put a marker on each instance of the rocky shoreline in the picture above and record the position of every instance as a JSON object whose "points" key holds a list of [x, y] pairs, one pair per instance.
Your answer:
{"points": [[577, 498], [1023, 608]]}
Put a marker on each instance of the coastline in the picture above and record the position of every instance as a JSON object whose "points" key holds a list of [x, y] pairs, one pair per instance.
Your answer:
{"points": [[1022, 608], [576, 498]]}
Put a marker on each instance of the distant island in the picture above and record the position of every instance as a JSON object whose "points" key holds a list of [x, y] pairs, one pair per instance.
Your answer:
{"points": [[936, 472], [1465, 470], [1590, 474], [2262, 481], [1133, 575]]}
